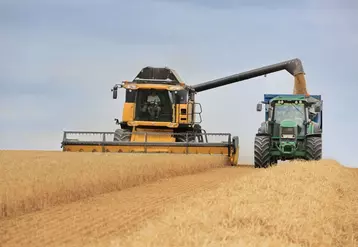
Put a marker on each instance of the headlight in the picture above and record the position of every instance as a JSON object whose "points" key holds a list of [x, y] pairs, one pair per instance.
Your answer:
{"points": [[131, 86], [175, 88], [288, 136]]}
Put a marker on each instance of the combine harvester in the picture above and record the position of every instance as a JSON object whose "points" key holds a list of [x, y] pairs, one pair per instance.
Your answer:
{"points": [[160, 116]]}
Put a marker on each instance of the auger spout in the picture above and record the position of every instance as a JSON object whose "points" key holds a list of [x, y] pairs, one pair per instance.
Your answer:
{"points": [[294, 67]]}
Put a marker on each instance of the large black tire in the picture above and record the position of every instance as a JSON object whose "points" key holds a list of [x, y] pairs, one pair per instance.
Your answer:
{"points": [[122, 135], [198, 131], [314, 148], [182, 138], [262, 152]]}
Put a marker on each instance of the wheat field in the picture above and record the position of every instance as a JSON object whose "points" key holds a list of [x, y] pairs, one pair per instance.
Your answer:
{"points": [[79, 199], [34, 180], [296, 204]]}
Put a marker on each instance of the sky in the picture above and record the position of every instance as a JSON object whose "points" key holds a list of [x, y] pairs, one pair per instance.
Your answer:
{"points": [[60, 59]]}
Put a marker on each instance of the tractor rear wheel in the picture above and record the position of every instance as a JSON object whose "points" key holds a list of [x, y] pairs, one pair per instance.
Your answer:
{"points": [[122, 135], [262, 151], [314, 148]]}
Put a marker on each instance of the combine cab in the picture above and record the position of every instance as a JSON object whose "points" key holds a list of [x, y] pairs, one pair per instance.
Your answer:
{"points": [[292, 129]]}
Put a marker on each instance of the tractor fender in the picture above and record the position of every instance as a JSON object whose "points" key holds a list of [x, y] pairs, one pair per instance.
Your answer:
{"points": [[314, 135]]}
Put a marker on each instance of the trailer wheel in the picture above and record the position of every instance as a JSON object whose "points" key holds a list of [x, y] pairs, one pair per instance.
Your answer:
{"points": [[262, 151], [314, 148], [122, 135]]}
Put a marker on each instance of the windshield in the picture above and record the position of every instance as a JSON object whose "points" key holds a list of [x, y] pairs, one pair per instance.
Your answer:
{"points": [[294, 112]]}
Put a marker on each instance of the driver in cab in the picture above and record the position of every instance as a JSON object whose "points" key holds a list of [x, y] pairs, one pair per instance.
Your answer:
{"points": [[152, 104], [153, 98]]}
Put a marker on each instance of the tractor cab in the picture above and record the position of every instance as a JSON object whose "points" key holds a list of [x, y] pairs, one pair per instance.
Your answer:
{"points": [[291, 115], [287, 117]]}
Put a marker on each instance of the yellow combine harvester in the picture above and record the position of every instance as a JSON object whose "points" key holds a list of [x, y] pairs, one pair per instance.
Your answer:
{"points": [[160, 115]]}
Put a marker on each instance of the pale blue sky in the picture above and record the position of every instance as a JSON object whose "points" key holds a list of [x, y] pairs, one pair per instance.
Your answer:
{"points": [[59, 60]]}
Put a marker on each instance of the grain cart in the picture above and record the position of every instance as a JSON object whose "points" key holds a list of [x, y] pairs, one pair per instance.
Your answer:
{"points": [[292, 129]]}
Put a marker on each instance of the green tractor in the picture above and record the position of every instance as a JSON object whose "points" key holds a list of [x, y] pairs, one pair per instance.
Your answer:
{"points": [[292, 129]]}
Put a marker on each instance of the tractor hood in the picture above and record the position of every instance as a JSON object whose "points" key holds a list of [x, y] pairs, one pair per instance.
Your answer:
{"points": [[288, 123], [288, 129]]}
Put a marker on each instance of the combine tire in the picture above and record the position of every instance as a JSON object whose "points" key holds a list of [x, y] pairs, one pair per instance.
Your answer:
{"points": [[262, 151], [191, 138], [122, 135], [314, 148], [198, 131]]}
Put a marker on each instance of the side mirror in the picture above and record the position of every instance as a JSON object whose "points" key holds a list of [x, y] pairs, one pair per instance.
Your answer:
{"points": [[259, 107], [306, 122], [114, 90]]}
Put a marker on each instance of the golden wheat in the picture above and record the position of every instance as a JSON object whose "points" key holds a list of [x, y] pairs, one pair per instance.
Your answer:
{"points": [[294, 204], [32, 181]]}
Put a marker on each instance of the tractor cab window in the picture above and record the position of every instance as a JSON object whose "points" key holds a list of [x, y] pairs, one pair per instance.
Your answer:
{"points": [[294, 112], [153, 105]]}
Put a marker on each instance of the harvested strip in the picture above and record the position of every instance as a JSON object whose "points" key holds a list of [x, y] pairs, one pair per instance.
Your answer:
{"points": [[31, 181], [93, 220]]}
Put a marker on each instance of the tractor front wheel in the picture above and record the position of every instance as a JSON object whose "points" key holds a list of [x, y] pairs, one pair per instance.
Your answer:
{"points": [[262, 151], [314, 148]]}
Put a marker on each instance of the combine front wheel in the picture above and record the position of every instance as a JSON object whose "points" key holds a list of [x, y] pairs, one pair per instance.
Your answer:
{"points": [[182, 138], [122, 135], [262, 151]]}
